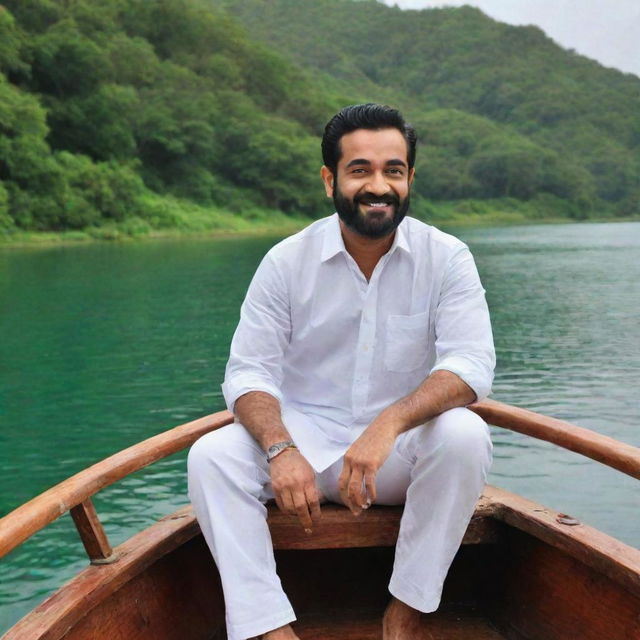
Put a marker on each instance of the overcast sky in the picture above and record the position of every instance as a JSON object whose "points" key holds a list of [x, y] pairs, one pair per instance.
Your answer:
{"points": [[606, 30]]}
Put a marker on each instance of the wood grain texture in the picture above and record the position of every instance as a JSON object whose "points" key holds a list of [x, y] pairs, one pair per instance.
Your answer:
{"points": [[608, 556], [89, 601], [618, 455], [92, 534], [338, 528], [342, 593], [97, 584], [367, 625], [178, 598], [164, 584], [23, 522], [547, 595]]}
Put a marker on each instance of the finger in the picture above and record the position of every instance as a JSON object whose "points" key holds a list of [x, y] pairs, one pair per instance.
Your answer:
{"points": [[302, 510], [280, 503], [355, 491], [287, 502], [314, 503], [370, 486], [346, 498], [343, 483]]}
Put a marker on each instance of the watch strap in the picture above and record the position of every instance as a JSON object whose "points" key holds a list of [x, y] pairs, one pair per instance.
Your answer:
{"points": [[277, 448]]}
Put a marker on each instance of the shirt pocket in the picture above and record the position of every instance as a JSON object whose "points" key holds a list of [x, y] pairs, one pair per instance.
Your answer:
{"points": [[406, 342]]}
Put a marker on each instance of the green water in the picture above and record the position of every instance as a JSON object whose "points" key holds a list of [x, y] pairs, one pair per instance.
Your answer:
{"points": [[107, 344]]}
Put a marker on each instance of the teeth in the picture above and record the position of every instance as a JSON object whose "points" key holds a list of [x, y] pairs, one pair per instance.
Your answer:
{"points": [[377, 204]]}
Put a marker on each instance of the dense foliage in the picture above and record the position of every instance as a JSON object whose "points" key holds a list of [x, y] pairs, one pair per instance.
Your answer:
{"points": [[127, 111], [503, 111]]}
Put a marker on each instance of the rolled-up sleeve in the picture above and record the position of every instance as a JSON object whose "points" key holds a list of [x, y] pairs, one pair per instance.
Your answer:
{"points": [[464, 341], [262, 335]]}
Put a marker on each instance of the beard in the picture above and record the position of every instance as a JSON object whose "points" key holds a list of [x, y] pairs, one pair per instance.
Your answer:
{"points": [[370, 224]]}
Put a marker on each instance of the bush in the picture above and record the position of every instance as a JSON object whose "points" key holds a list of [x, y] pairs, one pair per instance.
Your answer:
{"points": [[6, 221]]}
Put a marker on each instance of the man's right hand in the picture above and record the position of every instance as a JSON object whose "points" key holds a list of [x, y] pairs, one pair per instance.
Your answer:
{"points": [[294, 486]]}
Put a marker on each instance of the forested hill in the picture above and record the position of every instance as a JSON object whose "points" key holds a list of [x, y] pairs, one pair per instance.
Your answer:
{"points": [[145, 114], [502, 110]]}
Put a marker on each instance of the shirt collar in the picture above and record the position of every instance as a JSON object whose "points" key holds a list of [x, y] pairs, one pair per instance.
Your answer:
{"points": [[401, 240], [334, 244]]}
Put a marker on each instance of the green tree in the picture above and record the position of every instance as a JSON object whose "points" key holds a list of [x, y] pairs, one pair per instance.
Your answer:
{"points": [[98, 124]]}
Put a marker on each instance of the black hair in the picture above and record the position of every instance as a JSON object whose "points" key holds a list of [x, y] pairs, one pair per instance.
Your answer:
{"points": [[364, 116]]}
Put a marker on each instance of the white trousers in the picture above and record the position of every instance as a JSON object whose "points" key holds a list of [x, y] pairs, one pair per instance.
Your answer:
{"points": [[438, 470]]}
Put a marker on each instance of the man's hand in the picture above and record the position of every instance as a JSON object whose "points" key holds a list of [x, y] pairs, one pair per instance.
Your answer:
{"points": [[294, 486], [441, 391], [362, 461]]}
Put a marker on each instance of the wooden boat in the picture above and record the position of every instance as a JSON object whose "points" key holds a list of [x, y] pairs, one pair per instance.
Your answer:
{"points": [[524, 572]]}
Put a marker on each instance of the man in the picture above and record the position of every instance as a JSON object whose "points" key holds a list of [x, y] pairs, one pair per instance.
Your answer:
{"points": [[361, 340]]}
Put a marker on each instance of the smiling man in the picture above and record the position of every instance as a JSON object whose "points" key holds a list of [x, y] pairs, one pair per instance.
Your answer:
{"points": [[361, 340]]}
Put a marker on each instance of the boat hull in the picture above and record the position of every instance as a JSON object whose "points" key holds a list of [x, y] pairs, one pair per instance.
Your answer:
{"points": [[520, 574]]}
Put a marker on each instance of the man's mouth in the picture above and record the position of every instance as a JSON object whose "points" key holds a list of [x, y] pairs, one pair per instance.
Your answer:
{"points": [[377, 203]]}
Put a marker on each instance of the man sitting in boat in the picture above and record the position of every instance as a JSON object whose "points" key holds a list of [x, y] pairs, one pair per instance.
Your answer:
{"points": [[361, 340]]}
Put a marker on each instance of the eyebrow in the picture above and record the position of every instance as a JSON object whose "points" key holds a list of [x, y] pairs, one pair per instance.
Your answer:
{"points": [[395, 162]]}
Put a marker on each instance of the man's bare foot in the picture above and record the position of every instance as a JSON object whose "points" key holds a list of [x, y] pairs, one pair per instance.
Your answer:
{"points": [[281, 633], [401, 622]]}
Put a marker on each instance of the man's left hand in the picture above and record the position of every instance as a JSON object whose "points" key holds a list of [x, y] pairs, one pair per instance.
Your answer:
{"points": [[362, 461]]}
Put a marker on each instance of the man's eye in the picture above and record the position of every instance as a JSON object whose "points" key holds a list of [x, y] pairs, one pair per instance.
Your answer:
{"points": [[395, 171]]}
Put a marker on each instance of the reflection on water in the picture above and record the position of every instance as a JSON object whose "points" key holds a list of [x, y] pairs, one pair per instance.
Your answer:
{"points": [[105, 345]]}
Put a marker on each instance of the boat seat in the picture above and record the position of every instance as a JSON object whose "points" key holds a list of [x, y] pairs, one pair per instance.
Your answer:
{"points": [[376, 527]]}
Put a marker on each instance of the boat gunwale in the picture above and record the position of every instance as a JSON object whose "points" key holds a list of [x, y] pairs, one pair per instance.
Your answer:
{"points": [[22, 523], [608, 451], [52, 619], [25, 521]]}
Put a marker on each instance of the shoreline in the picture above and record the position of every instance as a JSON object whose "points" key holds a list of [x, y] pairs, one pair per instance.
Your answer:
{"points": [[49, 239]]}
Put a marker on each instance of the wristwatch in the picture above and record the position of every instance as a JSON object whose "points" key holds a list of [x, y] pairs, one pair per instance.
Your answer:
{"points": [[277, 448]]}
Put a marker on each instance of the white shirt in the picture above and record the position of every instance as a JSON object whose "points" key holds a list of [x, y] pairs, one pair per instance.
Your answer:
{"points": [[338, 349]]}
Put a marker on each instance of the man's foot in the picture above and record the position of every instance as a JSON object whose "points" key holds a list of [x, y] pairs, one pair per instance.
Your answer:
{"points": [[281, 633], [401, 622]]}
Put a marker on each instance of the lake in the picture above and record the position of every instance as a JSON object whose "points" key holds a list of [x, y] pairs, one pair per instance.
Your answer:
{"points": [[104, 345]]}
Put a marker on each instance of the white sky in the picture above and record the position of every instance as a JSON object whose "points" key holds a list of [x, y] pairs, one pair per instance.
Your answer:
{"points": [[606, 30]]}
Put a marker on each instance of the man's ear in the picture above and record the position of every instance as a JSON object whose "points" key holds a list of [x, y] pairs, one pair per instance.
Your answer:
{"points": [[327, 178], [412, 173]]}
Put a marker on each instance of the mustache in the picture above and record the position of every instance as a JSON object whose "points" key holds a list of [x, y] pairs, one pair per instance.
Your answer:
{"points": [[371, 198]]}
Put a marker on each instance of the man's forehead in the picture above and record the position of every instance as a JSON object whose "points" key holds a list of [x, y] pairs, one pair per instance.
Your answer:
{"points": [[373, 144]]}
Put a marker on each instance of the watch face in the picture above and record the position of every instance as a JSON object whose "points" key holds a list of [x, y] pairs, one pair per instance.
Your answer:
{"points": [[276, 448]]}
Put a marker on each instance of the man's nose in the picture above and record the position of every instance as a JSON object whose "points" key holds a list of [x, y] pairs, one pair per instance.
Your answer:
{"points": [[378, 184]]}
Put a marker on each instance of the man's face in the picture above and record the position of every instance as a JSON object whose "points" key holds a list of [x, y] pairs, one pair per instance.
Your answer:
{"points": [[371, 188]]}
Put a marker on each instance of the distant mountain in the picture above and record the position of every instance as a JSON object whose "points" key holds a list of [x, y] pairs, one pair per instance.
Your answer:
{"points": [[545, 120], [149, 114]]}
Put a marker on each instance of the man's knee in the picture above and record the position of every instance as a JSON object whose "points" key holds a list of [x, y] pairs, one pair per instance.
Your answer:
{"points": [[463, 436], [229, 450]]}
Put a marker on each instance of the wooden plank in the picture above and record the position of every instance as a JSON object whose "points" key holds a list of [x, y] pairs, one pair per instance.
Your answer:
{"points": [[32, 516], [545, 593], [92, 533], [97, 583], [343, 593], [81, 611], [23, 522], [608, 556], [618, 455], [178, 598], [454, 624], [377, 527]]}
